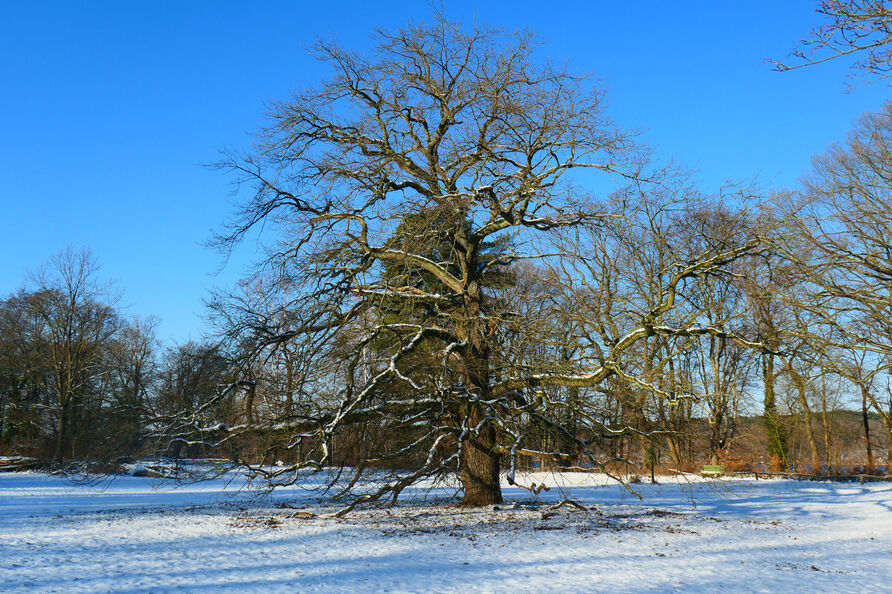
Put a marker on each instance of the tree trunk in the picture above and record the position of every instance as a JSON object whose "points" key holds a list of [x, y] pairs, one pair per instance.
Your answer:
{"points": [[249, 404], [799, 382], [62, 432], [289, 385], [886, 418], [827, 421], [674, 451], [776, 435], [57, 456], [865, 418], [479, 463], [888, 426], [816, 466], [889, 455], [716, 437], [479, 471]]}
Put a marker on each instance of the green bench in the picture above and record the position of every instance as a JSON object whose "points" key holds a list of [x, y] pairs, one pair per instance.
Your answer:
{"points": [[712, 470]]}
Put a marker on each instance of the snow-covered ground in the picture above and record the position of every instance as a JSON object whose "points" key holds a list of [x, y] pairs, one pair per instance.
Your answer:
{"points": [[138, 534]]}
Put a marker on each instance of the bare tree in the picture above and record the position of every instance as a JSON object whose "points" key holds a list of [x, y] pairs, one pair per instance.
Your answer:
{"points": [[858, 28], [846, 215], [722, 368], [131, 383], [22, 402], [60, 329], [766, 283], [406, 189]]}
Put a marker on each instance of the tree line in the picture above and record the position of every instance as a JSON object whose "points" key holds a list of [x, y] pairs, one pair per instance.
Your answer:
{"points": [[78, 378], [470, 269]]}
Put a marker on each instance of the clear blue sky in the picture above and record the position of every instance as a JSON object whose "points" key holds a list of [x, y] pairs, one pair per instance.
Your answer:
{"points": [[109, 109]]}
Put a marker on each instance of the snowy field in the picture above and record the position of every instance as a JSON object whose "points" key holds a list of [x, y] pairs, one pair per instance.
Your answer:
{"points": [[139, 535]]}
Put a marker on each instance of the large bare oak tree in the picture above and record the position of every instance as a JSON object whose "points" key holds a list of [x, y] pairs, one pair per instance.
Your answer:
{"points": [[431, 225]]}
